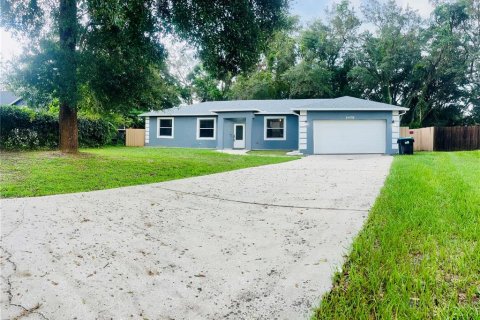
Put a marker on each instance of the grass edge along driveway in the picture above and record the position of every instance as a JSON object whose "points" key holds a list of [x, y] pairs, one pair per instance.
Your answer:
{"points": [[39, 173], [418, 255]]}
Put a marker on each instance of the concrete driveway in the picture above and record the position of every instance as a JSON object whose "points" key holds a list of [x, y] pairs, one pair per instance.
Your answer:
{"points": [[255, 243]]}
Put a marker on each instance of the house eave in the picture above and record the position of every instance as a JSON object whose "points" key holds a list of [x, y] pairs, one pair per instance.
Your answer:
{"points": [[275, 113], [235, 110], [212, 113], [14, 102], [153, 114], [350, 109]]}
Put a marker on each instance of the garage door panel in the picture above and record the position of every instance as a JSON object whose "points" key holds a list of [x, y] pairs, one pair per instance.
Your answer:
{"points": [[349, 136]]}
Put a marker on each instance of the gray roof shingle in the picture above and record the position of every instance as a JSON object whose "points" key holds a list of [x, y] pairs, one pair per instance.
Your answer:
{"points": [[8, 98], [275, 106]]}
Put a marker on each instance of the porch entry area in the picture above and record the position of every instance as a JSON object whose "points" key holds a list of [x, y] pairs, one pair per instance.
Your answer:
{"points": [[235, 130], [234, 133]]}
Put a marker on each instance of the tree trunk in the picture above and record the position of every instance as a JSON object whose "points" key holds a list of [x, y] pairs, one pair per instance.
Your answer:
{"points": [[68, 129], [68, 76]]}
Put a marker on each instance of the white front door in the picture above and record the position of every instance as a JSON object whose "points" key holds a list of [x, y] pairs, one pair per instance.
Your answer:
{"points": [[239, 136], [349, 136]]}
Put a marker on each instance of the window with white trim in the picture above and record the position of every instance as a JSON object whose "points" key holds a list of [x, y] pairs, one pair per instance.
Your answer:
{"points": [[206, 128], [165, 127], [275, 128]]}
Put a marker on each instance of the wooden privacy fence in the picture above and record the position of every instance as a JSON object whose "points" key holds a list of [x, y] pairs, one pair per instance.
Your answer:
{"points": [[457, 138], [135, 138], [444, 138], [423, 137]]}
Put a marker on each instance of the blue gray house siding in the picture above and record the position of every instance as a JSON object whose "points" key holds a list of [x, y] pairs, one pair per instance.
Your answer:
{"points": [[300, 115], [342, 115], [291, 141], [185, 132]]}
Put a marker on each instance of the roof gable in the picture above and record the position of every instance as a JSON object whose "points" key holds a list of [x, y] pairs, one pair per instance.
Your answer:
{"points": [[8, 98]]}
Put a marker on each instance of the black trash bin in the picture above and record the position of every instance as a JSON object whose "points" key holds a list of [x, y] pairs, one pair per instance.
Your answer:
{"points": [[405, 145]]}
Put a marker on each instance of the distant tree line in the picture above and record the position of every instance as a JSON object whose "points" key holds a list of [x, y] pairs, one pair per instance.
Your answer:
{"points": [[392, 55]]}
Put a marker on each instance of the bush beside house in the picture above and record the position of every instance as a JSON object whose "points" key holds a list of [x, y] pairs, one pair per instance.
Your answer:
{"points": [[24, 129]]}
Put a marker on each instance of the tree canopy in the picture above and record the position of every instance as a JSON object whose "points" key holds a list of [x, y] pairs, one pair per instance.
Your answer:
{"points": [[389, 55], [109, 56]]}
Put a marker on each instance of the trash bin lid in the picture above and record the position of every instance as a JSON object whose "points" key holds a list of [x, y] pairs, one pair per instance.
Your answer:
{"points": [[405, 139]]}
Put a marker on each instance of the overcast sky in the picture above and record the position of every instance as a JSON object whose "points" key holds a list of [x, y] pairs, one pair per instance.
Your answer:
{"points": [[311, 9], [306, 9]]}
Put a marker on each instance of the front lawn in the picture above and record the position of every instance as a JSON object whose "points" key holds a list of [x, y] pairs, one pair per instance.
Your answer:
{"points": [[25, 174], [269, 153], [418, 256]]}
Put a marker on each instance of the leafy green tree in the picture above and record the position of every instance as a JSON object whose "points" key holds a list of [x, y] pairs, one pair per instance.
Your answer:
{"points": [[326, 50], [259, 85], [204, 86], [111, 52], [431, 66], [309, 79], [420, 64], [314, 64], [386, 60], [442, 74], [266, 81], [471, 31]]}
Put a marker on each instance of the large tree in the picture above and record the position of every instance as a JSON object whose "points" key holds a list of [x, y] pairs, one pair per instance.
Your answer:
{"points": [[444, 90], [430, 65], [326, 50], [111, 50], [388, 53], [204, 86], [309, 63], [422, 64]]}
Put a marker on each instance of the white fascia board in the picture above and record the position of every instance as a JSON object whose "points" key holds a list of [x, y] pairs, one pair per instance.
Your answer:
{"points": [[350, 109], [279, 113], [177, 115], [15, 101], [235, 110]]}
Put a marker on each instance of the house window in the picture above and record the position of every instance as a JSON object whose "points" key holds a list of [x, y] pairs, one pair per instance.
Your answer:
{"points": [[275, 128], [165, 127], [206, 128]]}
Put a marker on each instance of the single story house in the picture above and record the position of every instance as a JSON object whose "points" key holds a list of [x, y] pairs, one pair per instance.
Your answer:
{"points": [[311, 126]]}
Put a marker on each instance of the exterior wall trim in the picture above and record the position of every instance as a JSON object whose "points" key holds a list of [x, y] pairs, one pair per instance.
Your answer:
{"points": [[234, 110], [350, 109], [173, 128], [265, 127], [395, 129], [214, 128], [302, 130], [147, 130]]}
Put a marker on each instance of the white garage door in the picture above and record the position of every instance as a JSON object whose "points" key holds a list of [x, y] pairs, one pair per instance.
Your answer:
{"points": [[349, 136]]}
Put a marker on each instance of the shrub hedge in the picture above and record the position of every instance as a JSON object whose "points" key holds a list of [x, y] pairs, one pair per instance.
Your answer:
{"points": [[22, 128]]}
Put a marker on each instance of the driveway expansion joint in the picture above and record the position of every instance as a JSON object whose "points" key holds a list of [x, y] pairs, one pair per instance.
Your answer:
{"points": [[260, 203]]}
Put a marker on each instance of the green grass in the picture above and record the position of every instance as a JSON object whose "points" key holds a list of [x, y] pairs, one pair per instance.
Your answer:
{"points": [[26, 174], [279, 153], [418, 256]]}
